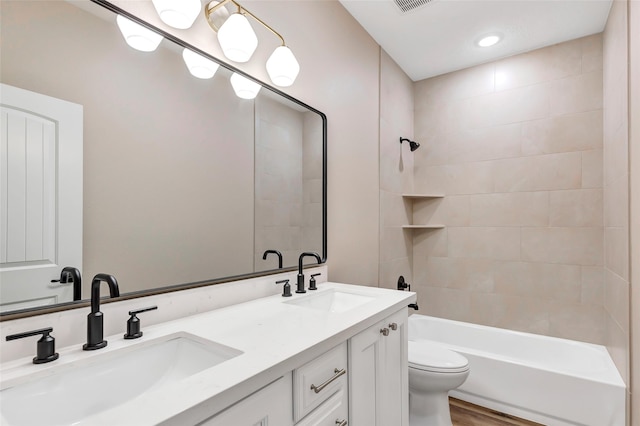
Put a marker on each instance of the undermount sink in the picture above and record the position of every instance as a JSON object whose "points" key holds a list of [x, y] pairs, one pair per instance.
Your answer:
{"points": [[79, 390], [332, 301]]}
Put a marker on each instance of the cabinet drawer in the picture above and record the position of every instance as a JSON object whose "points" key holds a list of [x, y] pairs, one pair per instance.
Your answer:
{"points": [[317, 380], [332, 412], [270, 405]]}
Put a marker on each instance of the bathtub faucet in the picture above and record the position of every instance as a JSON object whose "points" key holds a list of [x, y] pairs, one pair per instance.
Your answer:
{"points": [[414, 306]]}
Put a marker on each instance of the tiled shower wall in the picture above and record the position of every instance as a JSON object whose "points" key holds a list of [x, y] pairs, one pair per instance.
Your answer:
{"points": [[616, 188], [516, 147], [396, 172]]}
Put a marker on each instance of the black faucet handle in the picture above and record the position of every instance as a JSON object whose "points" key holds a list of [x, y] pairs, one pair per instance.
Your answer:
{"points": [[286, 288], [133, 324], [312, 281], [45, 347], [403, 285]]}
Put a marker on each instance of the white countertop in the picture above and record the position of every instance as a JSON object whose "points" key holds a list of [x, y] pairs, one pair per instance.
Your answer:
{"points": [[275, 338]]}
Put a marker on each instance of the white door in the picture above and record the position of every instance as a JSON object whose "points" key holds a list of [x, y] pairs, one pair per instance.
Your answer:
{"points": [[40, 197]]}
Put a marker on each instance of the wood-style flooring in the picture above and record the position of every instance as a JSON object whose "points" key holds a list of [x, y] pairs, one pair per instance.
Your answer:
{"points": [[466, 414]]}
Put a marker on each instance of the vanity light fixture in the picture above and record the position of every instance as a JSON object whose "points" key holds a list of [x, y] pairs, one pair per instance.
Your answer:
{"points": [[198, 65], [238, 41], [137, 36], [488, 40], [178, 13]]}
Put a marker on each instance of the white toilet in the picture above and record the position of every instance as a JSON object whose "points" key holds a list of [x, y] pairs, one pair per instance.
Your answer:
{"points": [[433, 371]]}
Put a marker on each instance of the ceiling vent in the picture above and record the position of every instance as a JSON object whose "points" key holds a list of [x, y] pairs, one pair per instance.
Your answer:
{"points": [[409, 5]]}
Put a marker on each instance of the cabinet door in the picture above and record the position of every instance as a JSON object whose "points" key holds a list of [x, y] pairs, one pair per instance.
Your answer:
{"points": [[272, 405], [394, 395], [365, 350], [378, 375]]}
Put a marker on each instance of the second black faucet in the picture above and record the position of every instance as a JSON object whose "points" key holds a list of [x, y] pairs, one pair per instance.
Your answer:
{"points": [[300, 284]]}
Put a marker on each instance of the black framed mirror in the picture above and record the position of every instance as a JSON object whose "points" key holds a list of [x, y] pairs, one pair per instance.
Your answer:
{"points": [[182, 183]]}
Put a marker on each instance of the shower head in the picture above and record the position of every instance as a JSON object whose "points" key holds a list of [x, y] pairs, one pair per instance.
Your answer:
{"points": [[412, 145]]}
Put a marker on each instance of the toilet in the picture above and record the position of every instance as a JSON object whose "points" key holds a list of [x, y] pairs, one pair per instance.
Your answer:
{"points": [[433, 371]]}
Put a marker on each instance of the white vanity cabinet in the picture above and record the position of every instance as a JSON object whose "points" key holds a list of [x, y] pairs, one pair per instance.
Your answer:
{"points": [[378, 374], [271, 405]]}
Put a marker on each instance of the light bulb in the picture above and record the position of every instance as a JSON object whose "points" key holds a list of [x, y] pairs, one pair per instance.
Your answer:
{"points": [[244, 88], [178, 13], [137, 36], [282, 66], [489, 40], [237, 39], [198, 65]]}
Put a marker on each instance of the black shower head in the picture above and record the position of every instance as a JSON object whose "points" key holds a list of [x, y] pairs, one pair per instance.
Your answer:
{"points": [[412, 145]]}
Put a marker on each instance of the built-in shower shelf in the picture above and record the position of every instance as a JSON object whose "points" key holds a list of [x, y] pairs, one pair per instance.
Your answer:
{"points": [[423, 226], [418, 197], [422, 196]]}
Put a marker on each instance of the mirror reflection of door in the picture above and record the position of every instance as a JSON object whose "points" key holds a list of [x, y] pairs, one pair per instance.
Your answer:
{"points": [[40, 197]]}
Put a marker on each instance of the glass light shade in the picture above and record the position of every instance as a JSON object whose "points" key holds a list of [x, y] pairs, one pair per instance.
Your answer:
{"points": [[137, 36], [244, 88], [178, 13], [282, 66], [237, 39], [198, 65]]}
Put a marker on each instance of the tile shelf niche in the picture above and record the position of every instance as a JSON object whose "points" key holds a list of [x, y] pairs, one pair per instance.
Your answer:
{"points": [[414, 197]]}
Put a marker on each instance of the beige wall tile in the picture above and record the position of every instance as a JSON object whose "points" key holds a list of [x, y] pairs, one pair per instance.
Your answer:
{"points": [[472, 274], [578, 246], [511, 209], [395, 243], [616, 250], [430, 179], [506, 107], [564, 133], [616, 299], [448, 303], [616, 202], [434, 272], [592, 285], [511, 312], [523, 70], [428, 243], [539, 280], [395, 211], [484, 243], [618, 346], [538, 173], [461, 84], [472, 178], [472, 145], [577, 322], [592, 169], [452, 210], [576, 94], [578, 207]]}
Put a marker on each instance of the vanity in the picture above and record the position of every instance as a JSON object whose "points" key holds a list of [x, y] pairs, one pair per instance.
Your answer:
{"points": [[335, 356]]}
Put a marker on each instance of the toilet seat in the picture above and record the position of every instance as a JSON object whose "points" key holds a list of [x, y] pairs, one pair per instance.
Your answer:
{"points": [[429, 356]]}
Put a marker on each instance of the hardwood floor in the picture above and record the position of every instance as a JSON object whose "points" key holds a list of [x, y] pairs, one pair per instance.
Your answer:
{"points": [[466, 414]]}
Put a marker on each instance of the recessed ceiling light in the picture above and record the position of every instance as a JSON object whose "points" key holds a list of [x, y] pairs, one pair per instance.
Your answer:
{"points": [[488, 40]]}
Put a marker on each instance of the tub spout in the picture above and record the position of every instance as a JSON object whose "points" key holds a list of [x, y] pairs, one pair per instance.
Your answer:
{"points": [[414, 306]]}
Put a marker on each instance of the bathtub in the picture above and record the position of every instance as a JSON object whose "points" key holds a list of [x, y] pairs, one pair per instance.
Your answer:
{"points": [[547, 380]]}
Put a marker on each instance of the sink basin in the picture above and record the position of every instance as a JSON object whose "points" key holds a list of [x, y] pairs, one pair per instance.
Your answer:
{"points": [[78, 390], [332, 301]]}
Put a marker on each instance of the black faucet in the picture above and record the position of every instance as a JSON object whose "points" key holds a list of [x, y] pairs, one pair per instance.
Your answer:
{"points": [[70, 274], [300, 286], [264, 256], [95, 324]]}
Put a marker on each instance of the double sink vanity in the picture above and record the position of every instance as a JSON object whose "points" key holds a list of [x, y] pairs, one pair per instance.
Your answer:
{"points": [[327, 357]]}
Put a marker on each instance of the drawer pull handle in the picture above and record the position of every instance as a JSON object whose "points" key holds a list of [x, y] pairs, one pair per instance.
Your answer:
{"points": [[341, 422], [384, 331], [393, 326], [337, 373]]}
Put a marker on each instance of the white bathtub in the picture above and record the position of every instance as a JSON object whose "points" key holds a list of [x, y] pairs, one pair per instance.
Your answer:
{"points": [[544, 379]]}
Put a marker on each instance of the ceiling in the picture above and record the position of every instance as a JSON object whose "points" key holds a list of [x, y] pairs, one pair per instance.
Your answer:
{"points": [[439, 37]]}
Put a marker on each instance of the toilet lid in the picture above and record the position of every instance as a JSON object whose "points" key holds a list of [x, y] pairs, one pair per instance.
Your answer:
{"points": [[429, 356]]}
